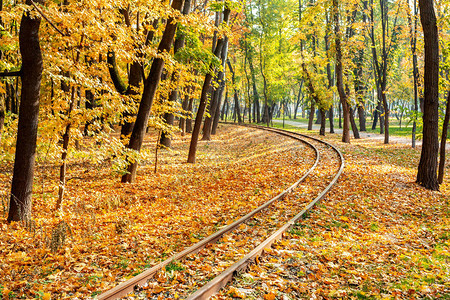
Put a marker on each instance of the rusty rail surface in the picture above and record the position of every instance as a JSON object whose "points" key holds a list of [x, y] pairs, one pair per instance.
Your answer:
{"points": [[128, 286], [222, 279]]}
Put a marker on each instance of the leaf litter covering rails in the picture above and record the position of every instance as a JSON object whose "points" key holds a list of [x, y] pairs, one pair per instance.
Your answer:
{"points": [[182, 277], [378, 236], [117, 231]]}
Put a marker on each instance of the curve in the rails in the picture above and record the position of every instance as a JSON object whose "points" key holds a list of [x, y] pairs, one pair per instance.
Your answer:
{"points": [[128, 286], [221, 280]]}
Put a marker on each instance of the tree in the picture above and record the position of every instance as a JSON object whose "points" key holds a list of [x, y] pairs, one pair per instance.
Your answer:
{"points": [[427, 169], [205, 91], [150, 85], [30, 74], [339, 75]]}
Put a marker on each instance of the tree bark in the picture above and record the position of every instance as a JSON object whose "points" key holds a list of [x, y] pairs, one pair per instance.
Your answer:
{"points": [[215, 103], [323, 119], [339, 79], [217, 113], [236, 98], [184, 106], [331, 117], [150, 86], [2, 119], [353, 123], [444, 141], [189, 120], [204, 96], [32, 66], [169, 118], [427, 170], [413, 33], [312, 109]]}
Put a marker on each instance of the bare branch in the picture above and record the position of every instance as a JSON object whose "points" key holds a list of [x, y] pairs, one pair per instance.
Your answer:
{"points": [[11, 73], [47, 19]]}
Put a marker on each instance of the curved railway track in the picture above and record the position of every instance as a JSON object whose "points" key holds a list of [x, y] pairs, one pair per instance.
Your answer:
{"points": [[252, 234]]}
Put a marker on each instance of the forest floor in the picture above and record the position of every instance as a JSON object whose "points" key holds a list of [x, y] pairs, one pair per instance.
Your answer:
{"points": [[376, 235], [108, 232]]}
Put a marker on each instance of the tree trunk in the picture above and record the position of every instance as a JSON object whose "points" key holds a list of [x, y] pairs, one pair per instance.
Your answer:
{"points": [[189, 120], [376, 116], [353, 123], [413, 33], [427, 170], [311, 115], [236, 98], [444, 141], [362, 118], [2, 119], [217, 113], [150, 86], [204, 95], [184, 106], [256, 108], [22, 181], [339, 79], [323, 119], [331, 116], [63, 167], [318, 117], [207, 126], [169, 118], [134, 80]]}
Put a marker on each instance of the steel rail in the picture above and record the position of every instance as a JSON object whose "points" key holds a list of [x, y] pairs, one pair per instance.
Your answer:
{"points": [[223, 278], [127, 286]]}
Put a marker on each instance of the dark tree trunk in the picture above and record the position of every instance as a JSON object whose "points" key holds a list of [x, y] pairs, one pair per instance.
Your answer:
{"points": [[169, 118], [215, 103], [217, 113], [236, 98], [150, 86], [204, 95], [413, 32], [339, 79], [66, 139], [376, 115], [189, 120], [22, 181], [444, 141], [256, 107], [353, 123], [331, 117], [427, 170], [225, 104], [184, 106], [323, 119], [362, 118], [2, 119], [311, 115]]}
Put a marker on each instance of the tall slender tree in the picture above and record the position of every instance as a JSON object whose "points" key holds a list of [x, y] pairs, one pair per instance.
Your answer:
{"points": [[31, 74], [150, 86], [427, 169]]}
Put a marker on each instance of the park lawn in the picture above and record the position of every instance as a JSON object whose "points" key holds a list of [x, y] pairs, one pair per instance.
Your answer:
{"points": [[394, 126]]}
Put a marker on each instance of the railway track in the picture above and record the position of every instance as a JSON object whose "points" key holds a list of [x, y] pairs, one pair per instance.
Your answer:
{"points": [[202, 269]]}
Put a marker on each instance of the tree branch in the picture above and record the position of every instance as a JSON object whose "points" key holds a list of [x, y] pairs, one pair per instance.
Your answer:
{"points": [[11, 73], [47, 19]]}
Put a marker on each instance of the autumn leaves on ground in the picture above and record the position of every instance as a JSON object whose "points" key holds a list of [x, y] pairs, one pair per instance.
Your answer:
{"points": [[377, 234]]}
